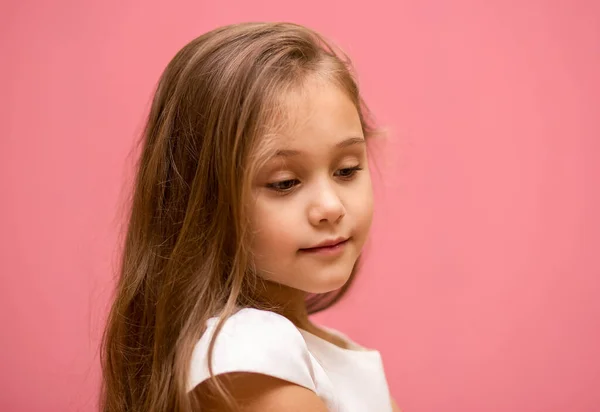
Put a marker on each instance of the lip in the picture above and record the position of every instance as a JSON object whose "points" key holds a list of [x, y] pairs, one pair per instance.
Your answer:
{"points": [[328, 243], [328, 247]]}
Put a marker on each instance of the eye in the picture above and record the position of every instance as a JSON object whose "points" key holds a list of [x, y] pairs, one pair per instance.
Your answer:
{"points": [[348, 172], [284, 185]]}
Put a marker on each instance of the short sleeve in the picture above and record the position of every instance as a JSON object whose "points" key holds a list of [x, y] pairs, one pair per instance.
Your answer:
{"points": [[254, 341]]}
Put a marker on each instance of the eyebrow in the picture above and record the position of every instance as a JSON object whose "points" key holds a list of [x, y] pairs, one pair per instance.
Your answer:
{"points": [[340, 145]]}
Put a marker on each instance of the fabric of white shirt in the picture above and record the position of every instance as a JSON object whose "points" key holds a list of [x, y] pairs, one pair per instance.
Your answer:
{"points": [[252, 340]]}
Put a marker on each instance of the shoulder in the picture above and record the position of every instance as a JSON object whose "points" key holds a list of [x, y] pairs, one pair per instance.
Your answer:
{"points": [[254, 341], [249, 320]]}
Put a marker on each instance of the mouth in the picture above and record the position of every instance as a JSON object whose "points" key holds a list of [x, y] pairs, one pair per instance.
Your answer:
{"points": [[333, 246]]}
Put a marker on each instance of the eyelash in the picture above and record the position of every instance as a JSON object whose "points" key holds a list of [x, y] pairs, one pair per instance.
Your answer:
{"points": [[276, 185]]}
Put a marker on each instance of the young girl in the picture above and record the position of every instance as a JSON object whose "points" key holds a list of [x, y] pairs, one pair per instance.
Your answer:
{"points": [[251, 205]]}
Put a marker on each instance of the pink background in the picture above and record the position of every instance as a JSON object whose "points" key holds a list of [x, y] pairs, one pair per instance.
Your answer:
{"points": [[482, 282]]}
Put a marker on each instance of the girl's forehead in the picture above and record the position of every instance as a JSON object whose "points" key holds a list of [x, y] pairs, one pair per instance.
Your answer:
{"points": [[323, 111], [308, 119]]}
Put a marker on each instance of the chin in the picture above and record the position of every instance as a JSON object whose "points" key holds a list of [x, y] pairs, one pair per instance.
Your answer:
{"points": [[332, 283]]}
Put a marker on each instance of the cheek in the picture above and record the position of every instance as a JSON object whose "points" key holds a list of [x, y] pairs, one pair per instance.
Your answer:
{"points": [[361, 207], [273, 249], [365, 213], [274, 235]]}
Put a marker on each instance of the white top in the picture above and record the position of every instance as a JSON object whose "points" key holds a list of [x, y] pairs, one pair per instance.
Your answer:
{"points": [[252, 340]]}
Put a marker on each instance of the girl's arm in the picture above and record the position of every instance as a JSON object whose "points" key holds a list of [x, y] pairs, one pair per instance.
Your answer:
{"points": [[259, 393]]}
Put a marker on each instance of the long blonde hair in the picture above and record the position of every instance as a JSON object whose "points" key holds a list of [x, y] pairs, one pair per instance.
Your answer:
{"points": [[184, 257]]}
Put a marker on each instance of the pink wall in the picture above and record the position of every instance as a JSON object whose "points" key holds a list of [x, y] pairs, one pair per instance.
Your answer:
{"points": [[482, 284]]}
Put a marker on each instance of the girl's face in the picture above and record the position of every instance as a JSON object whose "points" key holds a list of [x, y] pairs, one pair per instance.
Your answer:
{"points": [[315, 191]]}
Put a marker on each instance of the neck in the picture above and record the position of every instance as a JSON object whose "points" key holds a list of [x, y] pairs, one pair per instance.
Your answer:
{"points": [[288, 302]]}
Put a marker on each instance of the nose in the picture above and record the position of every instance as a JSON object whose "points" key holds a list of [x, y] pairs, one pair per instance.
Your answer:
{"points": [[326, 206]]}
